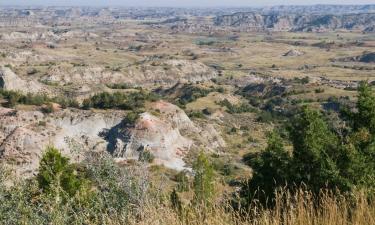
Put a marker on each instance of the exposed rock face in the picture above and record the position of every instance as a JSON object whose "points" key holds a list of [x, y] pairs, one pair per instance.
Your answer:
{"points": [[211, 138], [159, 137], [295, 22], [188, 20], [292, 53], [15, 16], [166, 133], [11, 81], [167, 72], [175, 115], [320, 9], [89, 75], [19, 142], [205, 135], [25, 134], [35, 36]]}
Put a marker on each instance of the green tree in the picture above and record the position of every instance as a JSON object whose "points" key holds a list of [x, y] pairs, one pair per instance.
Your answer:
{"points": [[361, 140], [203, 180], [271, 170], [57, 176], [313, 161], [365, 117], [315, 151], [322, 157]]}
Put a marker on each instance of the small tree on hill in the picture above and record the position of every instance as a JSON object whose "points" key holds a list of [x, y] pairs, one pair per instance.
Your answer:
{"points": [[203, 180], [57, 176]]}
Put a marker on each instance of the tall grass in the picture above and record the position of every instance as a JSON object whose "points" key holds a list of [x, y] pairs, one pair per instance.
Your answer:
{"points": [[127, 196], [300, 208]]}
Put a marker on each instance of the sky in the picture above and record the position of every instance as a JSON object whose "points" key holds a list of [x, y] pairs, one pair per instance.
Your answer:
{"points": [[179, 3]]}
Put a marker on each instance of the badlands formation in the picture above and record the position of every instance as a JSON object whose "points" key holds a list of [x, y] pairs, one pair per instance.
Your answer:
{"points": [[168, 83]]}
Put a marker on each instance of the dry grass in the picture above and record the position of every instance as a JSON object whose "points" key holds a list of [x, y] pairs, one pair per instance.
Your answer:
{"points": [[290, 209]]}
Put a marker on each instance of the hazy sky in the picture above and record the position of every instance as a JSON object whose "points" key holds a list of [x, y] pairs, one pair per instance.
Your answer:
{"points": [[178, 3]]}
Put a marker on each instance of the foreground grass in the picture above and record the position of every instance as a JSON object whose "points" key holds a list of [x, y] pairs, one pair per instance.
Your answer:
{"points": [[106, 193], [130, 198], [299, 208]]}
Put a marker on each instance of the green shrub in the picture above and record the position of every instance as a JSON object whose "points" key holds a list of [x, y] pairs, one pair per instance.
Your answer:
{"points": [[131, 118], [265, 117], [120, 86], [190, 93], [176, 202], [208, 41], [207, 111], [182, 181], [146, 156], [203, 180], [13, 98], [224, 166], [242, 108], [48, 108], [57, 175], [196, 114], [42, 123], [87, 104], [118, 100]]}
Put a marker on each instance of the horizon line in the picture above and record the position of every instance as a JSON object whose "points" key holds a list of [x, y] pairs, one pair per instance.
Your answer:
{"points": [[168, 6]]}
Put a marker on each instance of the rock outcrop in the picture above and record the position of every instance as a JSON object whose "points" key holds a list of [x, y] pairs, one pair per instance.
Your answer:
{"points": [[253, 21], [25, 134], [167, 72], [312, 17], [167, 134], [165, 131], [11, 81], [292, 53], [157, 136]]}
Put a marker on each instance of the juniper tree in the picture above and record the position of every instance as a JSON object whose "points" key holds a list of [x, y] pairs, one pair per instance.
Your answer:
{"points": [[203, 180], [57, 176]]}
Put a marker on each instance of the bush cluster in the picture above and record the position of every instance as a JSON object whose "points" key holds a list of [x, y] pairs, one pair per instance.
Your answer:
{"points": [[323, 156], [95, 191], [13, 98], [120, 86], [118, 100], [191, 93], [241, 108]]}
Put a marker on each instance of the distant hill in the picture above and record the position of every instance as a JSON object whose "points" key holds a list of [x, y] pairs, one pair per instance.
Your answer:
{"points": [[296, 22]]}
